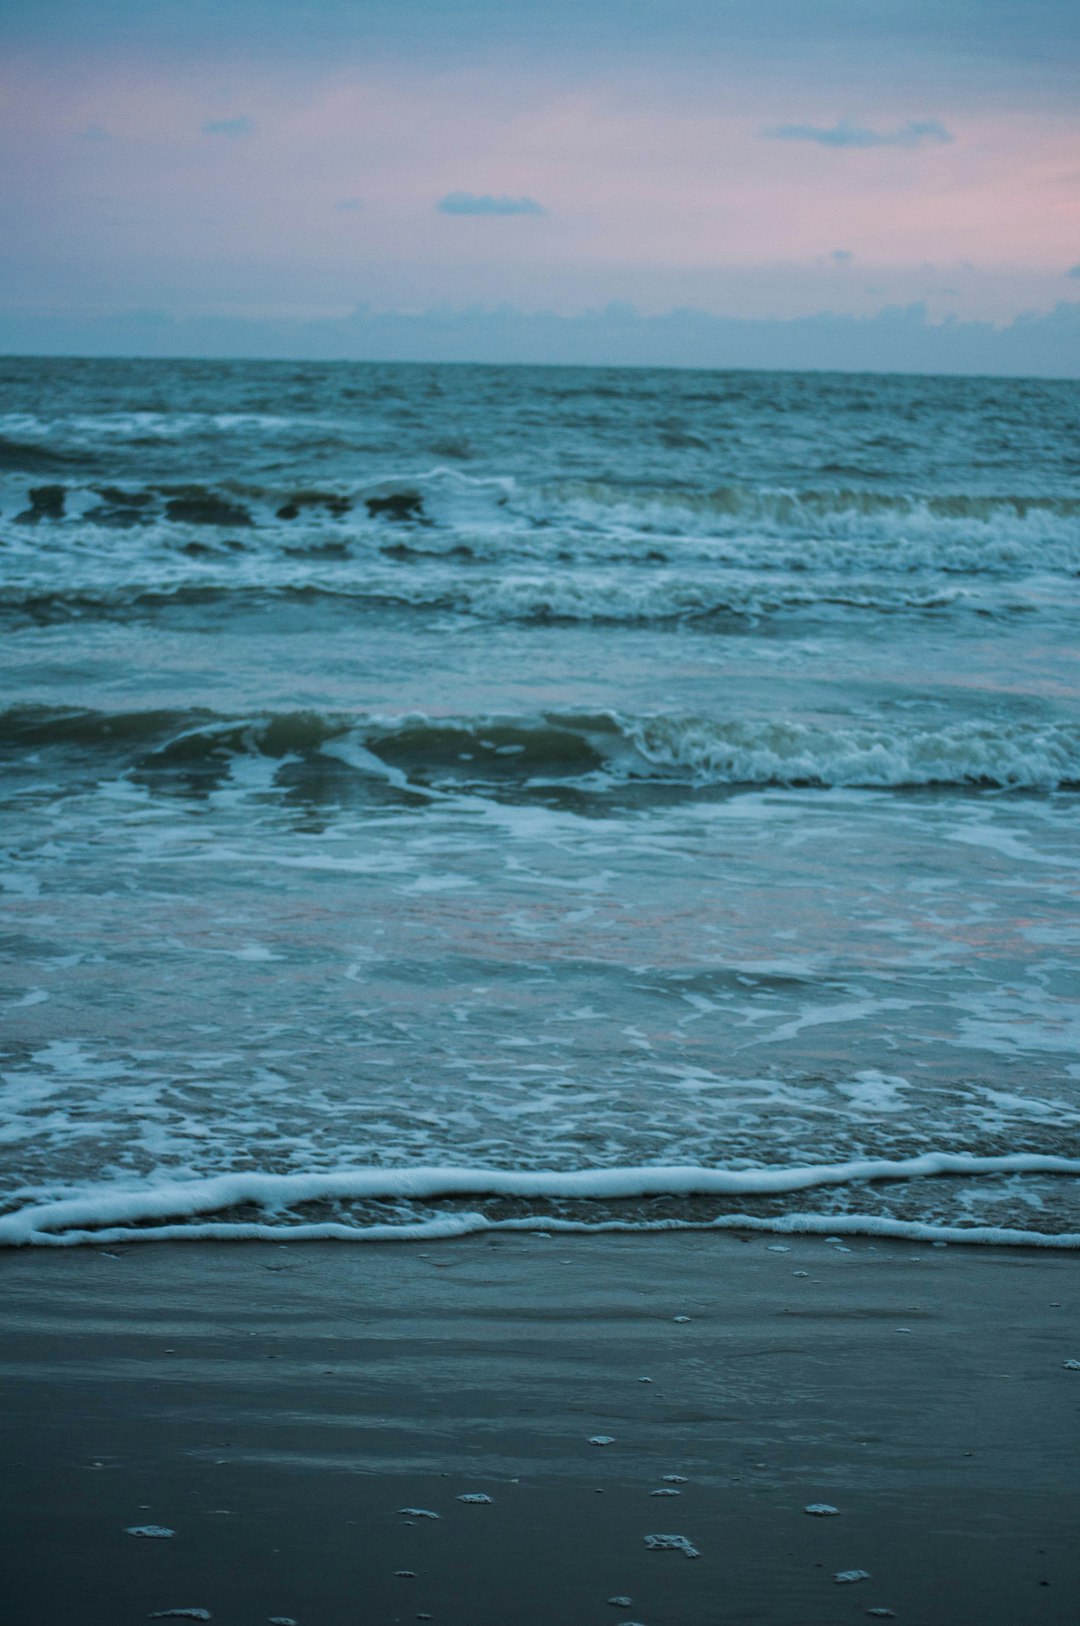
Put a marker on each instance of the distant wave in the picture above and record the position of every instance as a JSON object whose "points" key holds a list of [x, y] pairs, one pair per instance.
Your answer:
{"points": [[697, 751], [110, 1213], [990, 521], [843, 530], [554, 596]]}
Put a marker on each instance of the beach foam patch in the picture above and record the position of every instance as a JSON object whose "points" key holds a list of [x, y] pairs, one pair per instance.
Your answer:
{"points": [[672, 1544]]}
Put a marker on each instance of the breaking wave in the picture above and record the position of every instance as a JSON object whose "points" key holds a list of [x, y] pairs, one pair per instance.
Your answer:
{"points": [[992, 530], [430, 511], [603, 747], [1006, 755]]}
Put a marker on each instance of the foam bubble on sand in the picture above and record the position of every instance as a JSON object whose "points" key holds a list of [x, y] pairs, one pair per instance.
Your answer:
{"points": [[475, 1496], [180, 1614], [601, 1439], [681, 1320], [157, 1530], [821, 1510], [1071, 1366], [674, 1479], [282, 1620], [621, 1602], [671, 1544], [418, 1513], [845, 1577]]}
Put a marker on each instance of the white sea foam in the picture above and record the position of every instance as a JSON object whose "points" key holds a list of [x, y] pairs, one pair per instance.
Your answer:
{"points": [[672, 1544], [842, 531], [99, 578], [612, 595], [916, 532], [109, 1214], [1009, 754]]}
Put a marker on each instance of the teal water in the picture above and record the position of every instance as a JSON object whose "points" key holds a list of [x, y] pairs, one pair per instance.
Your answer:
{"points": [[538, 769]]}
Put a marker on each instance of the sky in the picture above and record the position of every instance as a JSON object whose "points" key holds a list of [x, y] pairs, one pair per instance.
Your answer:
{"points": [[287, 161]]}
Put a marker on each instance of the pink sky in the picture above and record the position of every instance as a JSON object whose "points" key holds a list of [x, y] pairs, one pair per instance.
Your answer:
{"points": [[652, 191]]}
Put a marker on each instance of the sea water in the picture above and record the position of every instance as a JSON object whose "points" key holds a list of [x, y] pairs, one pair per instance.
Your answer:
{"points": [[439, 796]]}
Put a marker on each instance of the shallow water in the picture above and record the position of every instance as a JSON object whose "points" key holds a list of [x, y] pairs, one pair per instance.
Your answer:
{"points": [[524, 769]]}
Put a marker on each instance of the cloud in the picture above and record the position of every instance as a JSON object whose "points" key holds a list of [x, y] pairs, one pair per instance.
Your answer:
{"points": [[468, 203], [842, 256], [228, 127], [348, 205], [1073, 271], [843, 134]]}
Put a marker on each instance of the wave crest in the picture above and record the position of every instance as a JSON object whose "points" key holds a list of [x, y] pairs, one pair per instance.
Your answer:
{"points": [[1003, 755], [605, 748]]}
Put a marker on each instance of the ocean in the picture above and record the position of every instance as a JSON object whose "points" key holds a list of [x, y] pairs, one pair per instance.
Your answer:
{"points": [[443, 797]]}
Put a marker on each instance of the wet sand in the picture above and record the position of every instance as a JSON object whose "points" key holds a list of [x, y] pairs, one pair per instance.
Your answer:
{"points": [[276, 1406]]}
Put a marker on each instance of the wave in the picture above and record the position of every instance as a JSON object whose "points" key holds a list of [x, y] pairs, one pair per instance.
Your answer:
{"points": [[559, 596], [27, 457], [787, 508], [551, 597], [949, 531], [1004, 755], [842, 530], [602, 749], [107, 1213]]}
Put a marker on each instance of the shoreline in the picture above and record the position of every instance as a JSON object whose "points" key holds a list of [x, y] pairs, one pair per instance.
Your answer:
{"points": [[186, 1210], [275, 1406]]}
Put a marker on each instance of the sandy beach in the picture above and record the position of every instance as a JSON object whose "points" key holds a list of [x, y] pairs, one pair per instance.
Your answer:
{"points": [[276, 1407]]}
